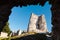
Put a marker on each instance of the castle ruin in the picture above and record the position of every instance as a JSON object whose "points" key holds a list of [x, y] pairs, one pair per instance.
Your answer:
{"points": [[37, 24]]}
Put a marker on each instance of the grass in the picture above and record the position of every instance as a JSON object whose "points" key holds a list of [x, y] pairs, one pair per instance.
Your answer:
{"points": [[24, 35], [14, 37]]}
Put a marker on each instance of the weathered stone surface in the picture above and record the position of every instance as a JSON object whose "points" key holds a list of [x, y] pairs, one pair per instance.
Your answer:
{"points": [[42, 26], [37, 24], [32, 23], [4, 35], [19, 32]]}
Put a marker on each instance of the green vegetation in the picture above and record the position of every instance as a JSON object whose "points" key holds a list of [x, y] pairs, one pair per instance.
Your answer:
{"points": [[6, 28]]}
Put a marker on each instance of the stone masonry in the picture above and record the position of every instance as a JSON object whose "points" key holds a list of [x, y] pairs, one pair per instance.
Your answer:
{"points": [[37, 24]]}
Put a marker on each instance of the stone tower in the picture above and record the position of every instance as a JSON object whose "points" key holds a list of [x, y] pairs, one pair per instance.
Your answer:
{"points": [[32, 23], [37, 24], [41, 24]]}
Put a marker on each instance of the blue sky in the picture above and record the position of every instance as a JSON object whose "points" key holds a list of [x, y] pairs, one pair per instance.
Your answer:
{"points": [[19, 17]]}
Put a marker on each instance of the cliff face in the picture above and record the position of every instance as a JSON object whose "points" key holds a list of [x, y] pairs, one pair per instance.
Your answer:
{"points": [[37, 24]]}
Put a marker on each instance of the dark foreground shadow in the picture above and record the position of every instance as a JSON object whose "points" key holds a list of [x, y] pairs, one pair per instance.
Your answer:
{"points": [[33, 37]]}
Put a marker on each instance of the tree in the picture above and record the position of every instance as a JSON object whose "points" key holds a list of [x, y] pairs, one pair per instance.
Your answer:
{"points": [[6, 28]]}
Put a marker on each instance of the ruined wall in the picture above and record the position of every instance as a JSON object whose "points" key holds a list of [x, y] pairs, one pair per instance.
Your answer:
{"points": [[42, 26], [37, 24], [32, 23]]}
